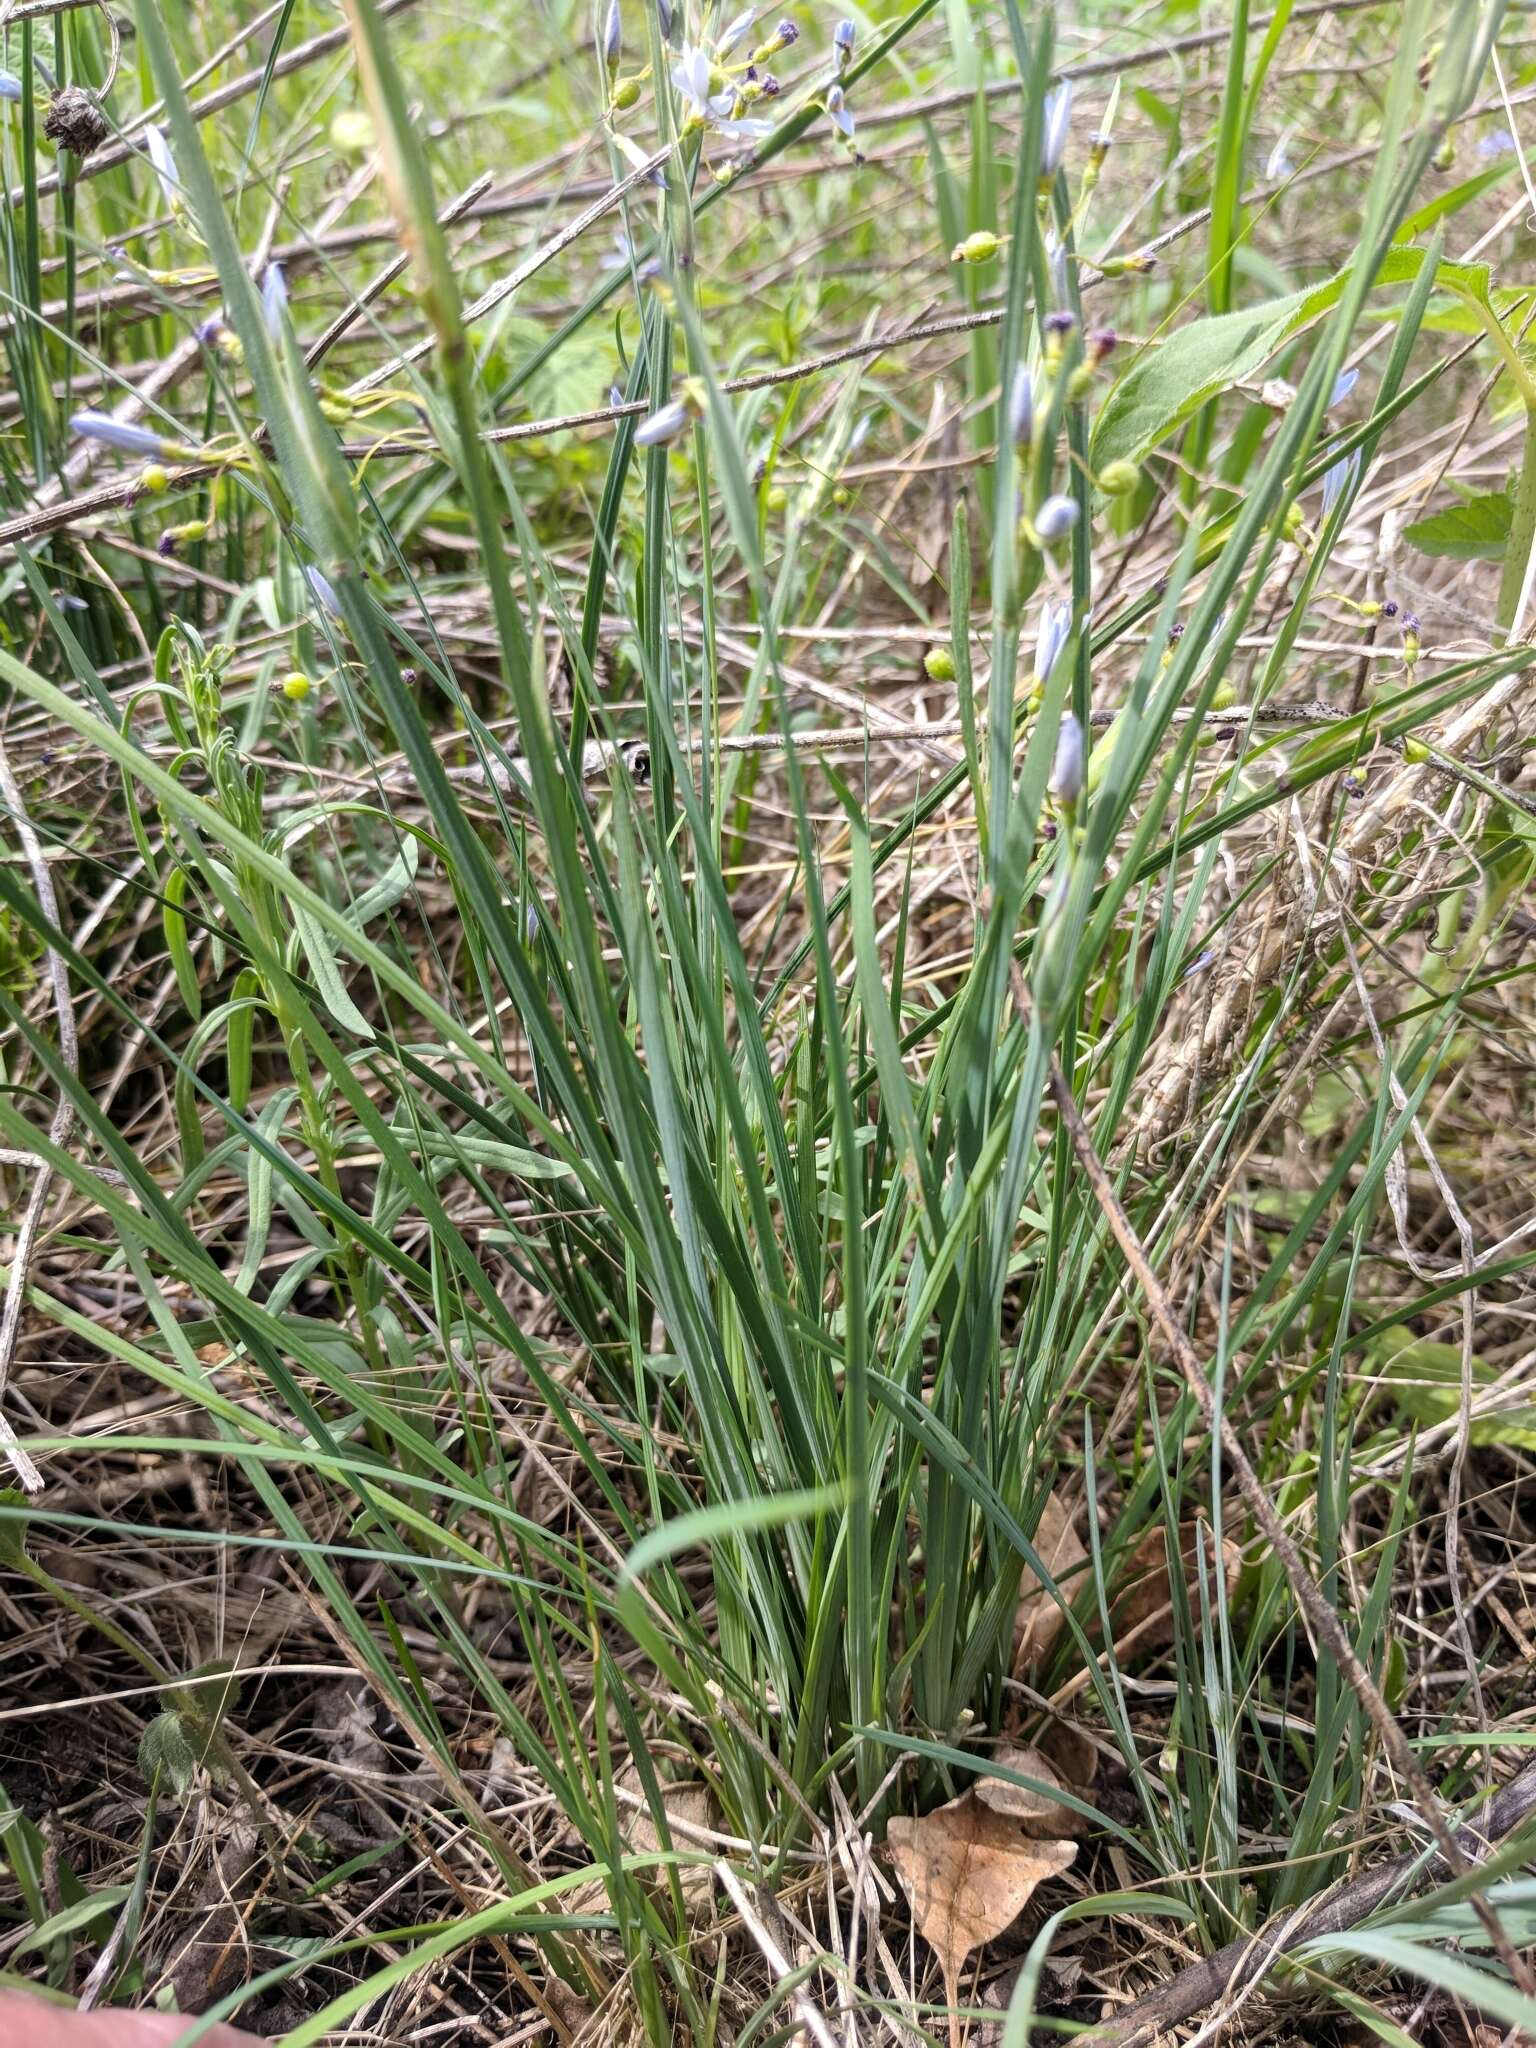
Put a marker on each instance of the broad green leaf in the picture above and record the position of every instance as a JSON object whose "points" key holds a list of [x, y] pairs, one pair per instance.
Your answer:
{"points": [[1477, 531], [1423, 1379], [1170, 380]]}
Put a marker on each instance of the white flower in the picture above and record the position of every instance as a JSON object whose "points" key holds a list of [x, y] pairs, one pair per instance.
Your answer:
{"points": [[734, 31], [1058, 121], [665, 425], [1067, 771], [837, 110]]}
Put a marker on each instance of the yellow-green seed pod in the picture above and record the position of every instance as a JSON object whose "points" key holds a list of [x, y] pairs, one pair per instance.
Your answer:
{"points": [[1119, 479], [296, 687], [939, 665], [155, 478], [1224, 697], [978, 248], [1416, 752], [842, 496], [776, 499], [352, 132], [625, 94]]}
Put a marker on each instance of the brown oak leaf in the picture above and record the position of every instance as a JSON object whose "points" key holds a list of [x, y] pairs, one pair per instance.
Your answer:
{"points": [[968, 1871]]}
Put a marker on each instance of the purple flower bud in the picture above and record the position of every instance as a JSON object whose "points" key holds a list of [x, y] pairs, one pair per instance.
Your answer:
{"points": [[10, 87], [1389, 609], [1054, 632], [770, 86], [1199, 964], [274, 299], [613, 35], [664, 426], [1410, 622], [1067, 772], [1056, 518], [842, 45], [1062, 321], [786, 33], [531, 923], [210, 332], [167, 544], [1021, 406], [664, 16], [111, 433], [1100, 342], [837, 111], [1058, 121], [324, 590]]}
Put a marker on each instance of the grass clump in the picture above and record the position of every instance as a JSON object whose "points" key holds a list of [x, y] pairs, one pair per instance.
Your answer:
{"points": [[766, 1023]]}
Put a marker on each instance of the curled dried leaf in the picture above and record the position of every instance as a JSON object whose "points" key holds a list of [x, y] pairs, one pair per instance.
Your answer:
{"points": [[1142, 1614], [1039, 1812], [1039, 1619]]}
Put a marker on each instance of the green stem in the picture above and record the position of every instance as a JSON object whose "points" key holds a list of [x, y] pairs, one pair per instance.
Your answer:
{"points": [[1522, 529]]}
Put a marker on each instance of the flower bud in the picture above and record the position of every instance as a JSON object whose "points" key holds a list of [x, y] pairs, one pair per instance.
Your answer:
{"points": [[1021, 406], [1056, 518], [1119, 479], [842, 45], [1067, 772], [274, 299], [939, 665], [1058, 121], [611, 41], [978, 248]]}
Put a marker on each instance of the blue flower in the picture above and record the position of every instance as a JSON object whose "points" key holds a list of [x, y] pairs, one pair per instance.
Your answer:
{"points": [[324, 590], [691, 75], [158, 151], [1341, 478], [1343, 384], [838, 113], [1054, 632], [1498, 143], [111, 433], [733, 32], [1058, 122], [1056, 518], [10, 88], [666, 425], [842, 45], [274, 299], [1278, 165], [1067, 771]]}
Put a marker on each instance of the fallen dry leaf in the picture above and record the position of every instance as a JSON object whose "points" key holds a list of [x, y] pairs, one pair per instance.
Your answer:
{"points": [[1038, 1813], [1039, 1620], [1142, 1615], [968, 1871]]}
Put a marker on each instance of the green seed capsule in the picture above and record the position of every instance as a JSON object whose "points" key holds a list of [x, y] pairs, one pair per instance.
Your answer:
{"points": [[939, 665], [1119, 479], [625, 94], [978, 248], [776, 499], [296, 687]]}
